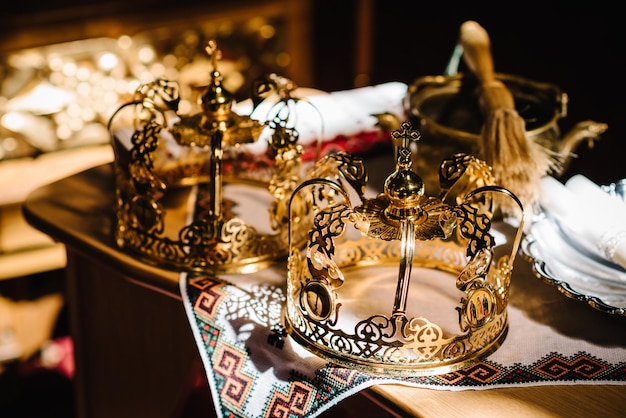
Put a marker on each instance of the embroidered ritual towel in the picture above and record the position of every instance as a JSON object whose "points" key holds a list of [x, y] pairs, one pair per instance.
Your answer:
{"points": [[255, 369]]}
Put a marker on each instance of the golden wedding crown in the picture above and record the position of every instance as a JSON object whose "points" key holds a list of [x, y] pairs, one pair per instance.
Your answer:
{"points": [[188, 190], [403, 283]]}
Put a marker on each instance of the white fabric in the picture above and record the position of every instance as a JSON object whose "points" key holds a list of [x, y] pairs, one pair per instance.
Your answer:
{"points": [[329, 115], [545, 327], [589, 213]]}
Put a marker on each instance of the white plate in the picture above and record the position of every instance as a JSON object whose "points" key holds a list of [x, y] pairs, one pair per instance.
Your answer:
{"points": [[579, 274]]}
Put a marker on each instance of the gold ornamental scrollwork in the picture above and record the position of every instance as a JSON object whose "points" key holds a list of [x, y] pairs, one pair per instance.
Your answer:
{"points": [[173, 171], [400, 227]]}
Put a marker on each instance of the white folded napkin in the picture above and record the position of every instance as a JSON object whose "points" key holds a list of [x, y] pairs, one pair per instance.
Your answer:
{"points": [[339, 113], [589, 214]]}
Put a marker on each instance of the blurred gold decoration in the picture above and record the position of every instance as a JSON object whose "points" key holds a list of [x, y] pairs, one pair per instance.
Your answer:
{"points": [[173, 209], [336, 287], [66, 92]]}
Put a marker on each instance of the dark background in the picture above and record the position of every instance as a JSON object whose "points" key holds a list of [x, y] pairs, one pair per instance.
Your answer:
{"points": [[578, 46]]}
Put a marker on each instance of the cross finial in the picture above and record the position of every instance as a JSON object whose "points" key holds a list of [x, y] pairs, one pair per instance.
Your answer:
{"points": [[214, 53], [406, 133]]}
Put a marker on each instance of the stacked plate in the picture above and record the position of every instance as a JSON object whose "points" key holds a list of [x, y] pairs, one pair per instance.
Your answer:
{"points": [[575, 243]]}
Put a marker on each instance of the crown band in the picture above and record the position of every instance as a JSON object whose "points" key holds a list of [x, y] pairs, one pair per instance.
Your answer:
{"points": [[340, 301]]}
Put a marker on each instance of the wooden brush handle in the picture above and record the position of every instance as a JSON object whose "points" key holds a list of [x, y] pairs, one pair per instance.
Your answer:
{"points": [[477, 54], [477, 51]]}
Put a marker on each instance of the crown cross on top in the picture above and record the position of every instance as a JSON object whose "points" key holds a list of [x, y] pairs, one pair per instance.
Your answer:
{"points": [[214, 53], [406, 133]]}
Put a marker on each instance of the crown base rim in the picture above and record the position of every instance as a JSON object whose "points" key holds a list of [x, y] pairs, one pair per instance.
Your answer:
{"points": [[399, 369], [240, 266]]}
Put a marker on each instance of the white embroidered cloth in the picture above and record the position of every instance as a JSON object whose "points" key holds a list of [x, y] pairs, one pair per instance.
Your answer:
{"points": [[257, 371]]}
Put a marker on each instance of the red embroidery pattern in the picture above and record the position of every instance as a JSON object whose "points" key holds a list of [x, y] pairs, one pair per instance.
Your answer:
{"points": [[228, 363], [296, 401], [203, 282], [479, 373], [342, 375], [209, 299], [556, 367], [233, 375]]}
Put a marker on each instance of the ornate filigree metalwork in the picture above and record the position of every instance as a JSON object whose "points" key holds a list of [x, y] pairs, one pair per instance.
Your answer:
{"points": [[400, 227], [172, 206]]}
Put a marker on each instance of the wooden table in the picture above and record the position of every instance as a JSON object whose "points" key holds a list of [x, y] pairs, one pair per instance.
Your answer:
{"points": [[134, 348]]}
